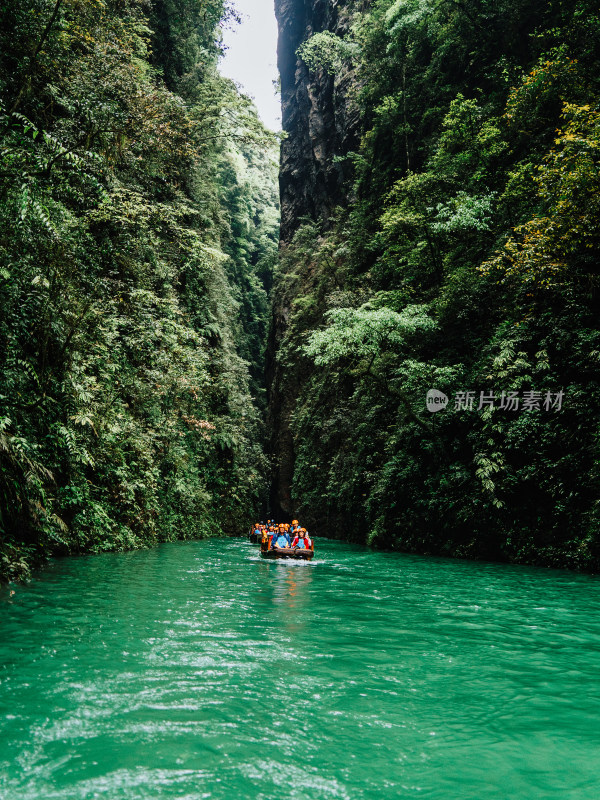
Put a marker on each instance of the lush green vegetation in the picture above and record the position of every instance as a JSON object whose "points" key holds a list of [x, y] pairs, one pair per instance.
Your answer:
{"points": [[137, 238], [137, 244], [468, 260]]}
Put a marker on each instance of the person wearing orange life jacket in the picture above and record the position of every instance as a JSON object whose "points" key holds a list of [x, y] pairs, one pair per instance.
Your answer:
{"points": [[302, 540], [281, 538]]}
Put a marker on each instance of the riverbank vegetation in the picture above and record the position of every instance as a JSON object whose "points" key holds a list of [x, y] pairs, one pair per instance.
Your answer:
{"points": [[466, 260], [137, 239]]}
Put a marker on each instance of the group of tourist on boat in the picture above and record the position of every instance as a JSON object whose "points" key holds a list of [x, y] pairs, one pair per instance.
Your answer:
{"points": [[282, 540]]}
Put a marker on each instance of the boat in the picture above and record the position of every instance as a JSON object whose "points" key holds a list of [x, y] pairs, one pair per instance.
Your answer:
{"points": [[255, 537], [297, 553]]}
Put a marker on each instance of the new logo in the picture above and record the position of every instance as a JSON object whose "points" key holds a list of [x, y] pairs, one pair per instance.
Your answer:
{"points": [[436, 400]]}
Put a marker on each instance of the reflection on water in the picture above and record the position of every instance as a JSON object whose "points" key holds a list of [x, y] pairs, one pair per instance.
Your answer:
{"points": [[198, 670], [290, 582]]}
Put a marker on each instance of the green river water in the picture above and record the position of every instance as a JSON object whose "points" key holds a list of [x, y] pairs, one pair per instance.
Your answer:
{"points": [[196, 670]]}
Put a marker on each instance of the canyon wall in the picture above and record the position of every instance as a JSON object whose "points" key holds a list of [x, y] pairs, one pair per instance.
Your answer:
{"points": [[320, 123], [460, 254]]}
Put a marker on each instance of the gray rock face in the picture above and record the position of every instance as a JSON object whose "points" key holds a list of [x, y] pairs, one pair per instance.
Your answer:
{"points": [[321, 123], [317, 116]]}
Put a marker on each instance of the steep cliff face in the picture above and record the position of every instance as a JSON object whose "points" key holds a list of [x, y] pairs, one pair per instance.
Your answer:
{"points": [[316, 115], [321, 123], [466, 262]]}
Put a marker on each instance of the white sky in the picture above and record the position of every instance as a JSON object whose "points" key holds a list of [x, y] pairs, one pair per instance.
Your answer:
{"points": [[251, 59]]}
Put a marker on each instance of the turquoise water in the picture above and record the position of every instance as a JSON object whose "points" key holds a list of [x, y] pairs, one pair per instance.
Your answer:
{"points": [[196, 670]]}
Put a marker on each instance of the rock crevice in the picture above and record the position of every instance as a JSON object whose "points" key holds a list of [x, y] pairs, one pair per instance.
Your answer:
{"points": [[320, 123]]}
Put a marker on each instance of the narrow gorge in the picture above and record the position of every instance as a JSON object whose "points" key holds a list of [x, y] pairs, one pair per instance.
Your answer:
{"points": [[177, 359], [378, 328]]}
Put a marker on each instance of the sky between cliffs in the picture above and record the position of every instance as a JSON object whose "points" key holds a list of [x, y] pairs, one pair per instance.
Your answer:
{"points": [[251, 57]]}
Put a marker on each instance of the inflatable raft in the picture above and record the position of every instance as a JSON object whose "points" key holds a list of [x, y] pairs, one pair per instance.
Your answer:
{"points": [[287, 552]]}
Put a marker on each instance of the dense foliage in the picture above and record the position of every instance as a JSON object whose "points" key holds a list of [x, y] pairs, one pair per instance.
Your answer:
{"points": [[466, 261], [138, 231]]}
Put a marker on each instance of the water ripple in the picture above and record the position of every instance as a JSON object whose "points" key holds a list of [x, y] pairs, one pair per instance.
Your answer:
{"points": [[196, 670]]}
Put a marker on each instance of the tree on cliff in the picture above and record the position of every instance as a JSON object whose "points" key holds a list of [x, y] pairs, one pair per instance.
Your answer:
{"points": [[474, 195], [128, 301]]}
